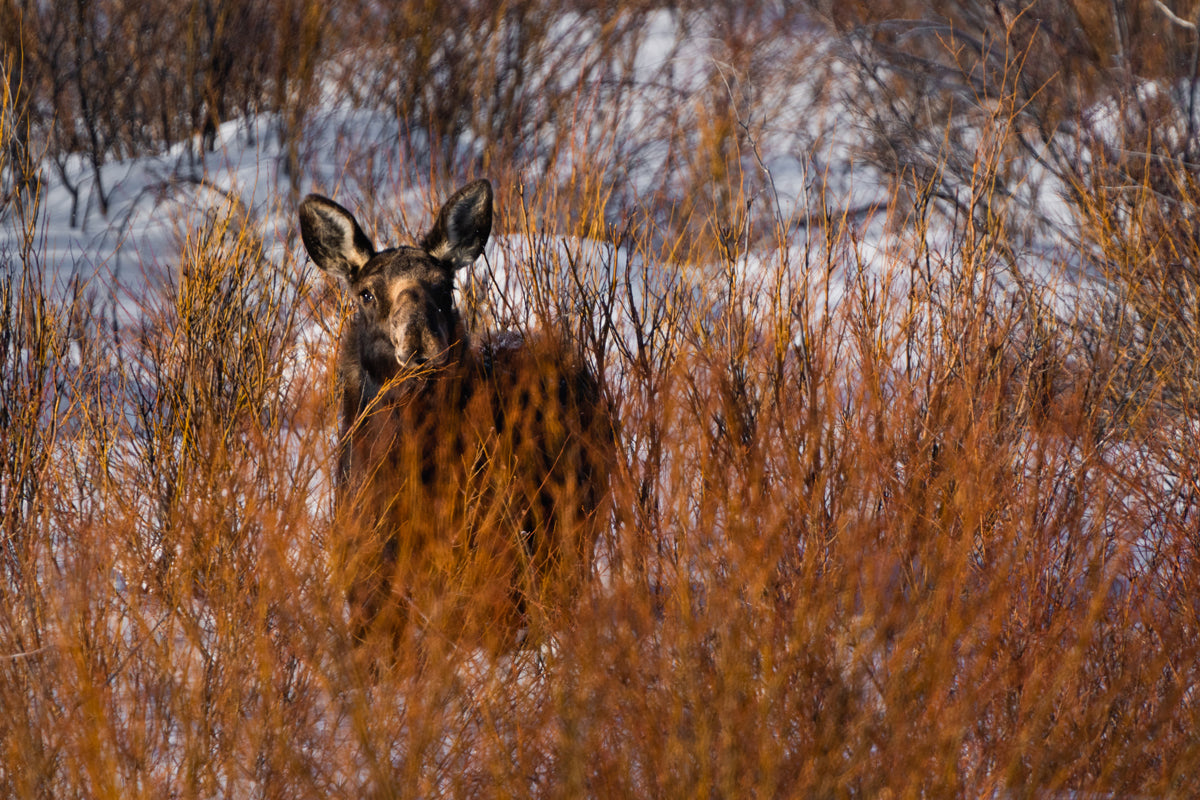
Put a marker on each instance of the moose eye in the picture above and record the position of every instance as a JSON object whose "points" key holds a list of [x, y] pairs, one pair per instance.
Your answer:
{"points": [[366, 296]]}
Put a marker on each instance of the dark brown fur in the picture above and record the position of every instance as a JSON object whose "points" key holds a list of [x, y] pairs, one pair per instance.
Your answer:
{"points": [[472, 476]]}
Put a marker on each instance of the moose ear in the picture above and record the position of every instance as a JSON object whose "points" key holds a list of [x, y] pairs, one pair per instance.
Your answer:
{"points": [[462, 226], [332, 237]]}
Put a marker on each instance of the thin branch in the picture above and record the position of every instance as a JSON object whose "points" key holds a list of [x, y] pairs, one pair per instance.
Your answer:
{"points": [[1183, 23], [26, 654]]}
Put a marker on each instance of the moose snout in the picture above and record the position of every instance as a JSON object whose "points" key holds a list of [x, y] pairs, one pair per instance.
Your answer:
{"points": [[417, 341]]}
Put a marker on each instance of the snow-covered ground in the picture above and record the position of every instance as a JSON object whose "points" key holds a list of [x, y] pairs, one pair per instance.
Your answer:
{"points": [[807, 138]]}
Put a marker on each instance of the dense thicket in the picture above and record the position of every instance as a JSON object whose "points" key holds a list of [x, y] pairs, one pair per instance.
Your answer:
{"points": [[906, 500]]}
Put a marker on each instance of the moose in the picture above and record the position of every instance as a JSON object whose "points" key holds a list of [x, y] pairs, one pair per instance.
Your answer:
{"points": [[472, 472]]}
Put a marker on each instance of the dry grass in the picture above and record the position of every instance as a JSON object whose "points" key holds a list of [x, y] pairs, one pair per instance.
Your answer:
{"points": [[935, 535]]}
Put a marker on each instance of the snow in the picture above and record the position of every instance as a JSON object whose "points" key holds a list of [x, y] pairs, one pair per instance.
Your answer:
{"points": [[808, 149]]}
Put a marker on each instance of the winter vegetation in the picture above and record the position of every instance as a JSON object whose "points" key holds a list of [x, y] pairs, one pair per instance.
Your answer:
{"points": [[895, 307]]}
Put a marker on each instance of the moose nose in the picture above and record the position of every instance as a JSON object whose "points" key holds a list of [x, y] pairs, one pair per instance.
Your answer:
{"points": [[417, 333], [411, 344], [416, 343], [411, 361]]}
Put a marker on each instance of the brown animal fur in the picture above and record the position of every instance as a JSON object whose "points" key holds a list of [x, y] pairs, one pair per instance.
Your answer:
{"points": [[471, 477]]}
